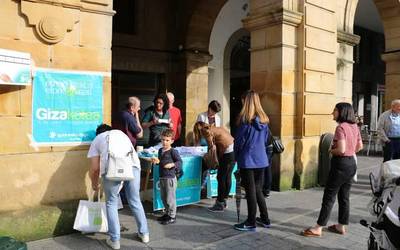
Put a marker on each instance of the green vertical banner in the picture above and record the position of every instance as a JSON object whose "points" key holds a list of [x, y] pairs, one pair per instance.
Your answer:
{"points": [[67, 106]]}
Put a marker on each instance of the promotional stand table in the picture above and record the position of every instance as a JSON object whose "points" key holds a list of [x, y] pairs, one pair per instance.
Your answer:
{"points": [[189, 185]]}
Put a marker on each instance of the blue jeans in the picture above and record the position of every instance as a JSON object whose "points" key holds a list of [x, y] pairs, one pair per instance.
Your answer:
{"points": [[133, 197]]}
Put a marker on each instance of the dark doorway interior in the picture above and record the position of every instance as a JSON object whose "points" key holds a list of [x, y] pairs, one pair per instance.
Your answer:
{"points": [[239, 77], [140, 84], [369, 76]]}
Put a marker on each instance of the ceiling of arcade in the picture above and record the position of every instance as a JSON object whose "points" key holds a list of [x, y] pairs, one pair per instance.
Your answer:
{"points": [[201, 24]]}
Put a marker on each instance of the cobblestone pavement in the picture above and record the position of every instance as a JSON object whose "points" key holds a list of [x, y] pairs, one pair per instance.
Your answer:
{"points": [[196, 228]]}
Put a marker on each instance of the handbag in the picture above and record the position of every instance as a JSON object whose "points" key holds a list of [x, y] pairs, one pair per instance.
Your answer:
{"points": [[277, 146], [91, 216], [119, 167], [211, 157]]}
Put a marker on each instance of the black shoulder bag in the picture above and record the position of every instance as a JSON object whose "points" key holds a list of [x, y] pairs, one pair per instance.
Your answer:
{"points": [[277, 146]]}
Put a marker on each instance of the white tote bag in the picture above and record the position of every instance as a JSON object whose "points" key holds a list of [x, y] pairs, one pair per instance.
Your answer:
{"points": [[119, 167], [91, 217]]}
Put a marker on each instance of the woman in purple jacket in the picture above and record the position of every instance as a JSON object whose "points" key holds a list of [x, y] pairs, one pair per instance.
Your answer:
{"points": [[250, 153]]}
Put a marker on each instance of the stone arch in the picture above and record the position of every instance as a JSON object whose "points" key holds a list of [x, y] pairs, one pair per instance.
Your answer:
{"points": [[346, 13], [389, 11], [227, 30], [201, 24]]}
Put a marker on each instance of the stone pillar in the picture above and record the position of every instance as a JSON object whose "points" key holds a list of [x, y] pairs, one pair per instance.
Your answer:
{"points": [[344, 84], [318, 90], [392, 79], [274, 75], [196, 89], [345, 43], [389, 13], [293, 67]]}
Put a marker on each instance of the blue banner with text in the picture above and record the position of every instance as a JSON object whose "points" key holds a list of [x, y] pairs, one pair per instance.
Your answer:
{"points": [[67, 106]]}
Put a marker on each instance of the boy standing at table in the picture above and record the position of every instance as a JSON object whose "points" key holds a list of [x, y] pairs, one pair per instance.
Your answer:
{"points": [[169, 160]]}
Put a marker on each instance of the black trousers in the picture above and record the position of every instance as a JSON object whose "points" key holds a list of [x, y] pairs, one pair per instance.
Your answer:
{"points": [[268, 172], [267, 179], [343, 169], [252, 181], [224, 175], [391, 150]]}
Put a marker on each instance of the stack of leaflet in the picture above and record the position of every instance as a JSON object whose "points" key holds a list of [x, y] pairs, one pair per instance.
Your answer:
{"points": [[191, 151], [150, 152]]}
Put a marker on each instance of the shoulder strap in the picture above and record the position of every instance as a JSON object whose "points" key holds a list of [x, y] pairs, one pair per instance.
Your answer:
{"points": [[172, 155], [159, 152], [111, 145], [109, 142], [269, 136]]}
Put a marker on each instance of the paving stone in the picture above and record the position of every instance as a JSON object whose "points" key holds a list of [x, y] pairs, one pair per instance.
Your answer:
{"points": [[197, 228]]}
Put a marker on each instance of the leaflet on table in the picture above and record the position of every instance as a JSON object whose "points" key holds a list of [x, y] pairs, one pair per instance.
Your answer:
{"points": [[183, 151], [150, 152], [192, 151], [163, 121]]}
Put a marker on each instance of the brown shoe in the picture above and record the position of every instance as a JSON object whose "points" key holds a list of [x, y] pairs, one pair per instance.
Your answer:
{"points": [[309, 233], [333, 229]]}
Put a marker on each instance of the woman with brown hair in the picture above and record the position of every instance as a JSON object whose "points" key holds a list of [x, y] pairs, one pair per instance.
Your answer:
{"points": [[250, 153], [346, 143], [223, 141]]}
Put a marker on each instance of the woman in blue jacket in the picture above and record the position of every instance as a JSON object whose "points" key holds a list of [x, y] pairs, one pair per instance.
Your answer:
{"points": [[250, 153]]}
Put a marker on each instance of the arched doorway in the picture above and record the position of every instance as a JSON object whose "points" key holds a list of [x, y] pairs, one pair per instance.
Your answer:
{"points": [[368, 68], [239, 76], [389, 12], [226, 33]]}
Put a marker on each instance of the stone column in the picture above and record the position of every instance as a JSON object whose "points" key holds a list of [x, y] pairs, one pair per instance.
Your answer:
{"points": [[392, 79], [389, 13], [345, 43], [275, 75], [318, 90], [196, 89], [293, 67]]}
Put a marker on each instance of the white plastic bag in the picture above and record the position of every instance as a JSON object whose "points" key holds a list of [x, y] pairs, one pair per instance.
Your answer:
{"points": [[355, 179], [91, 217]]}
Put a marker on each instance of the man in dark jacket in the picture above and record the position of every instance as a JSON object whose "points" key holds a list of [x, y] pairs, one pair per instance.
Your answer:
{"points": [[128, 120]]}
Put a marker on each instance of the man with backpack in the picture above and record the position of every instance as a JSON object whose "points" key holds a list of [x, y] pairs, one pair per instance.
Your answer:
{"points": [[99, 153]]}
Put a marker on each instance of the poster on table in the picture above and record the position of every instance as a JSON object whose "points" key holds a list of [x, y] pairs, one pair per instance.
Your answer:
{"points": [[212, 183], [15, 67], [189, 185], [67, 106]]}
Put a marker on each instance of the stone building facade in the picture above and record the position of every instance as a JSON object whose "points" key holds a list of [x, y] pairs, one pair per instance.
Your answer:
{"points": [[300, 65]]}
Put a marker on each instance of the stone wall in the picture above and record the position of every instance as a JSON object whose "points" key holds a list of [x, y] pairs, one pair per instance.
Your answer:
{"points": [[58, 35]]}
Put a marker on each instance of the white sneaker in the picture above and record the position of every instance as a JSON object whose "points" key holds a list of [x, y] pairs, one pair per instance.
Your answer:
{"points": [[144, 237], [113, 244]]}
